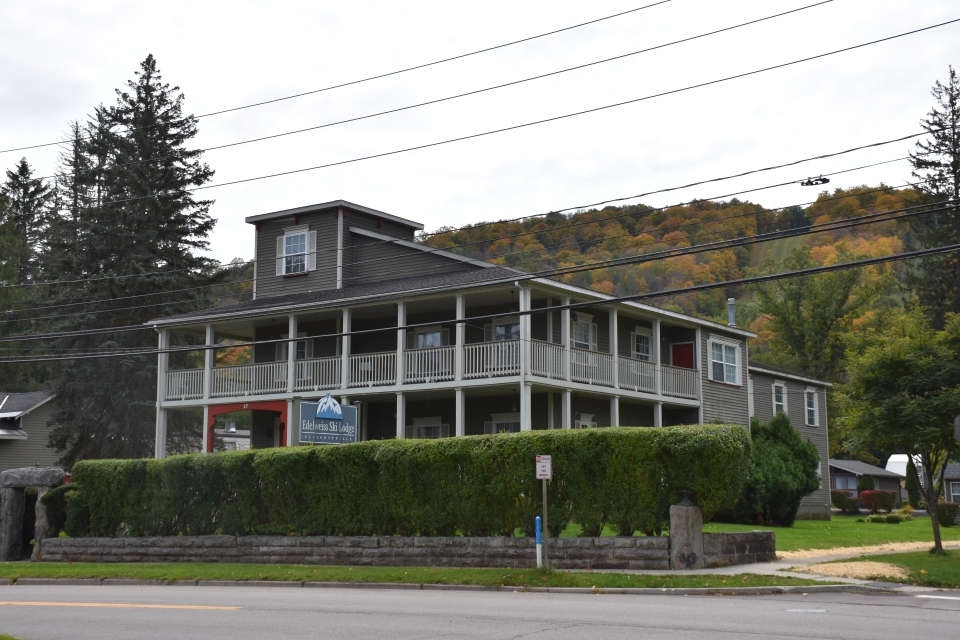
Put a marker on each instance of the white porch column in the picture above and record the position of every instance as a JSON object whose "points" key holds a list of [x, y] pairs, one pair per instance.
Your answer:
{"points": [[293, 421], [565, 341], [163, 360], [460, 338], [345, 323], [461, 422], [615, 411], [698, 364], [550, 412], [565, 410], [401, 339], [524, 333], [208, 362], [526, 424], [291, 353], [401, 415], [655, 347], [161, 444], [658, 414], [549, 320], [614, 347], [205, 442]]}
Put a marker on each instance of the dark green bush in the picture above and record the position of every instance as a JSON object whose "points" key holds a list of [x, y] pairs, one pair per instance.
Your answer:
{"points": [[865, 484], [479, 485], [947, 513], [782, 470], [55, 501], [912, 484], [893, 518]]}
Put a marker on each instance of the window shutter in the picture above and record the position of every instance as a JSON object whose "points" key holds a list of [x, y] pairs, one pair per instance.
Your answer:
{"points": [[280, 256], [312, 251], [445, 337], [488, 428], [593, 336], [633, 346]]}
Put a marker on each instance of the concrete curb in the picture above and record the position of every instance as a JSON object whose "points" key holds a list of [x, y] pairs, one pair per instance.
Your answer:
{"points": [[690, 591]]}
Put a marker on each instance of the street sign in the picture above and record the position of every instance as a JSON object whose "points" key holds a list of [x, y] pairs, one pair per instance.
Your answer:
{"points": [[327, 422], [544, 468]]}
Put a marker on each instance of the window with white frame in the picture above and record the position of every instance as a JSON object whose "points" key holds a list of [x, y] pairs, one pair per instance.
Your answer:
{"points": [[955, 491], [501, 330], [724, 362], [302, 348], [583, 331], [845, 483], [779, 398], [502, 423], [810, 404], [428, 338], [296, 251], [640, 344]]}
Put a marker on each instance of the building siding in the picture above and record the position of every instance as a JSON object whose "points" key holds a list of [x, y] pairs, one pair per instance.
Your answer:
{"points": [[371, 260], [323, 278], [763, 411], [723, 402], [32, 452]]}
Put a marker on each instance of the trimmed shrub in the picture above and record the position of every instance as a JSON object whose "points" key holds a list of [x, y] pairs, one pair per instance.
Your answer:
{"points": [[947, 513], [55, 501], [623, 477], [865, 484], [877, 519], [878, 500], [783, 469], [912, 484], [893, 518], [845, 501]]}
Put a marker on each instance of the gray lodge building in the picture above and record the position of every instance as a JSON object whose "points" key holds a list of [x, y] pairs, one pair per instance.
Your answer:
{"points": [[467, 357]]}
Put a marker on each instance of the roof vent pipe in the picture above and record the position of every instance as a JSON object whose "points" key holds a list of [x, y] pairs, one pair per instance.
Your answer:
{"points": [[731, 313]]}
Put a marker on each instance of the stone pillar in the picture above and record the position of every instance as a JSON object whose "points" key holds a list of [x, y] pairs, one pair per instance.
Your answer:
{"points": [[11, 523], [42, 529], [686, 536]]}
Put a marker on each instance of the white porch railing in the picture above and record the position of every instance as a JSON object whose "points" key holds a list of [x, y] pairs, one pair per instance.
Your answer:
{"points": [[679, 382], [186, 384], [428, 365], [317, 373], [249, 379], [487, 359], [373, 369], [591, 367], [546, 359], [637, 375]]}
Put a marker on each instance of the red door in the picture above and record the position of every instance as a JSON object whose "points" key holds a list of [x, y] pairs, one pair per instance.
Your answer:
{"points": [[681, 355]]}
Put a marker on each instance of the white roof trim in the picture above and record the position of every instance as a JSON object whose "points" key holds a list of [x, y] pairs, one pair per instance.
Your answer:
{"points": [[13, 434], [791, 376], [420, 247], [331, 205], [19, 414]]}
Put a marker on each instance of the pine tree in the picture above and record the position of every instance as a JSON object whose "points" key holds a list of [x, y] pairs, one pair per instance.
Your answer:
{"points": [[28, 200], [936, 163], [138, 229]]}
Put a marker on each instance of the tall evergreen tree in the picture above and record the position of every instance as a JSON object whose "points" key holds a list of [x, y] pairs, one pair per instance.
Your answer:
{"points": [[138, 229], [28, 201], [936, 163]]}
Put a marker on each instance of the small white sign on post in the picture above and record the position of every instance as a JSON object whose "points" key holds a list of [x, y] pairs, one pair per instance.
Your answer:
{"points": [[544, 468]]}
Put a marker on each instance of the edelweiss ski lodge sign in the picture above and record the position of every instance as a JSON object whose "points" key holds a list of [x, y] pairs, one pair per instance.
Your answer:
{"points": [[326, 422]]}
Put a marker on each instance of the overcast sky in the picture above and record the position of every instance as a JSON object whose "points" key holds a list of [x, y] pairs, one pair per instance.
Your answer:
{"points": [[61, 59]]}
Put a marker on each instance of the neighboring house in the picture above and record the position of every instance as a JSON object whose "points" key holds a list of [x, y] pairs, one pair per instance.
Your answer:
{"points": [[23, 430], [846, 474], [471, 360], [804, 400], [951, 483]]}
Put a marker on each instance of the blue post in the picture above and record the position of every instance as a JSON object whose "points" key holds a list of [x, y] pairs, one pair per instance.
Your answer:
{"points": [[539, 545]]}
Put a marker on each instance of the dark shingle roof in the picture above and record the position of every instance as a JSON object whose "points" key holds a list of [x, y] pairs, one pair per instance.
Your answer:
{"points": [[862, 468], [382, 288], [762, 366], [952, 472], [19, 403]]}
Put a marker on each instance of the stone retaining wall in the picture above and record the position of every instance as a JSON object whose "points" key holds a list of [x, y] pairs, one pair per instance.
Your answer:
{"points": [[720, 549]]}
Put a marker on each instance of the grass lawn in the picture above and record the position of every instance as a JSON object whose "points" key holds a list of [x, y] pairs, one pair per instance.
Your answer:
{"points": [[418, 575], [844, 531], [925, 569]]}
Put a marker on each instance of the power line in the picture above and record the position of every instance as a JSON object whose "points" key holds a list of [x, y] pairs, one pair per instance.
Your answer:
{"points": [[660, 255], [469, 93], [382, 75], [910, 255], [535, 122]]}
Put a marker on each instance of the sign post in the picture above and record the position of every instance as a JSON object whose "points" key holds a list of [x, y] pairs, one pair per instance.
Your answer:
{"points": [[539, 545], [544, 472]]}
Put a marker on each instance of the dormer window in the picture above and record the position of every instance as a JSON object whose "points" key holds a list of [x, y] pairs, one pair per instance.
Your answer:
{"points": [[296, 251]]}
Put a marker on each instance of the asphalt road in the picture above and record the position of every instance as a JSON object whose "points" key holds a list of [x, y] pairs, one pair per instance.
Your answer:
{"points": [[332, 614]]}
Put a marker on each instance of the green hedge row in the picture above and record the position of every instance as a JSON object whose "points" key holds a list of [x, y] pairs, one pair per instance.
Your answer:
{"points": [[623, 477]]}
